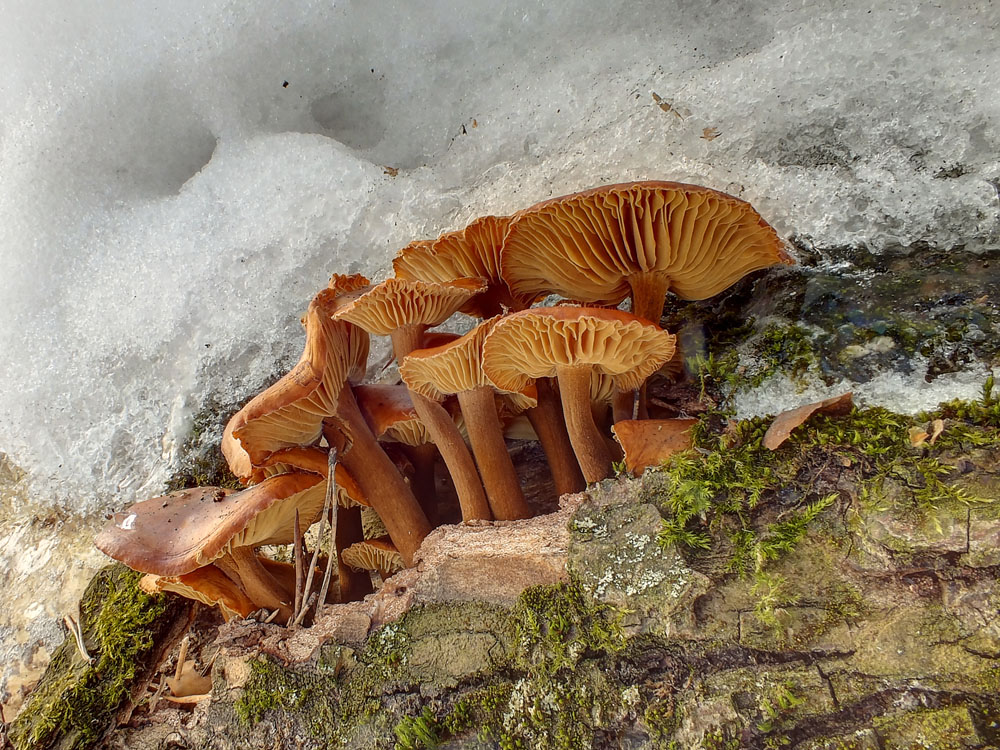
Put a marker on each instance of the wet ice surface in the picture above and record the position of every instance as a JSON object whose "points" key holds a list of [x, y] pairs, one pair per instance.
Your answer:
{"points": [[179, 180]]}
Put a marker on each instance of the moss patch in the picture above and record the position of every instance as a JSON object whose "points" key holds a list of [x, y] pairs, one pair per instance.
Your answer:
{"points": [[75, 702]]}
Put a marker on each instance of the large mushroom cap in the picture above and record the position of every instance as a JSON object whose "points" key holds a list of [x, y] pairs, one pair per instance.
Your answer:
{"points": [[382, 308], [454, 367], [586, 246], [468, 253], [291, 412], [534, 343], [176, 533]]}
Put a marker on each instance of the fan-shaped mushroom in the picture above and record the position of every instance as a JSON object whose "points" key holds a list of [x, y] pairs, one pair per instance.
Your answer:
{"points": [[571, 344]]}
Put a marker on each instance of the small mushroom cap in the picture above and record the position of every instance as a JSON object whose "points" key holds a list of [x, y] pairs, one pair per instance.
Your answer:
{"points": [[453, 367], [176, 533], [533, 343], [468, 253], [373, 554], [316, 460], [585, 246], [382, 308], [207, 585], [291, 412], [389, 412], [345, 284], [650, 442]]}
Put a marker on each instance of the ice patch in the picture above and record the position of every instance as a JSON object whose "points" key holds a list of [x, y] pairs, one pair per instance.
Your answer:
{"points": [[903, 393]]}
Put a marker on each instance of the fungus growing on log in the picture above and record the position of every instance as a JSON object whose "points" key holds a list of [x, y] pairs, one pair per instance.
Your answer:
{"points": [[403, 310], [468, 253], [638, 238], [182, 531], [572, 344]]}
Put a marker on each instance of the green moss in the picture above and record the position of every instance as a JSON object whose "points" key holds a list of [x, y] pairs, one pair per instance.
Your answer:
{"points": [[270, 687], [941, 729], [730, 485], [556, 626], [549, 692], [75, 702]]}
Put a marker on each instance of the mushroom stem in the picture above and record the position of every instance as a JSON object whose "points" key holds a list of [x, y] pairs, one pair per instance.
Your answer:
{"points": [[260, 585], [424, 484], [547, 421], [354, 585], [379, 480], [588, 442], [457, 458], [445, 435], [649, 293], [503, 488]]}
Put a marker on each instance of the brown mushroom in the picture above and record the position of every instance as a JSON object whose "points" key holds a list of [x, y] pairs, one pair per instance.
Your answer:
{"points": [[306, 402], [643, 238], [182, 531], [374, 554], [391, 416], [456, 368], [207, 585], [571, 344], [403, 310], [291, 412], [469, 253]]}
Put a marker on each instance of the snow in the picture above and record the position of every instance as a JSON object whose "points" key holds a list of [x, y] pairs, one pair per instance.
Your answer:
{"points": [[179, 179]]}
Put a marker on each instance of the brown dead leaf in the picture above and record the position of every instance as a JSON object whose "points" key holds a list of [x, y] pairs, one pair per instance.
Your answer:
{"points": [[917, 436], [189, 682], [787, 421], [475, 124], [187, 699], [650, 442], [391, 171], [710, 134]]}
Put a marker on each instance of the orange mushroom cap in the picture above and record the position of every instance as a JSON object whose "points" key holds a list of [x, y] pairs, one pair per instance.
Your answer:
{"points": [[591, 246], [373, 554], [207, 585], [382, 308], [389, 412], [456, 366], [533, 343], [291, 412], [467, 253]]}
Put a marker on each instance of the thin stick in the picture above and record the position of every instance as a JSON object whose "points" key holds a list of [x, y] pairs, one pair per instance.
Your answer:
{"points": [[297, 543], [332, 559], [181, 656], [157, 695], [74, 628], [331, 486], [270, 617]]}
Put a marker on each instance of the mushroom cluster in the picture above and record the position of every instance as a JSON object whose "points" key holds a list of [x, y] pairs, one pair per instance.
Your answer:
{"points": [[319, 444]]}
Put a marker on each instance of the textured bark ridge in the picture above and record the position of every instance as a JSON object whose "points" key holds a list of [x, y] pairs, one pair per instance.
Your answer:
{"points": [[846, 610]]}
